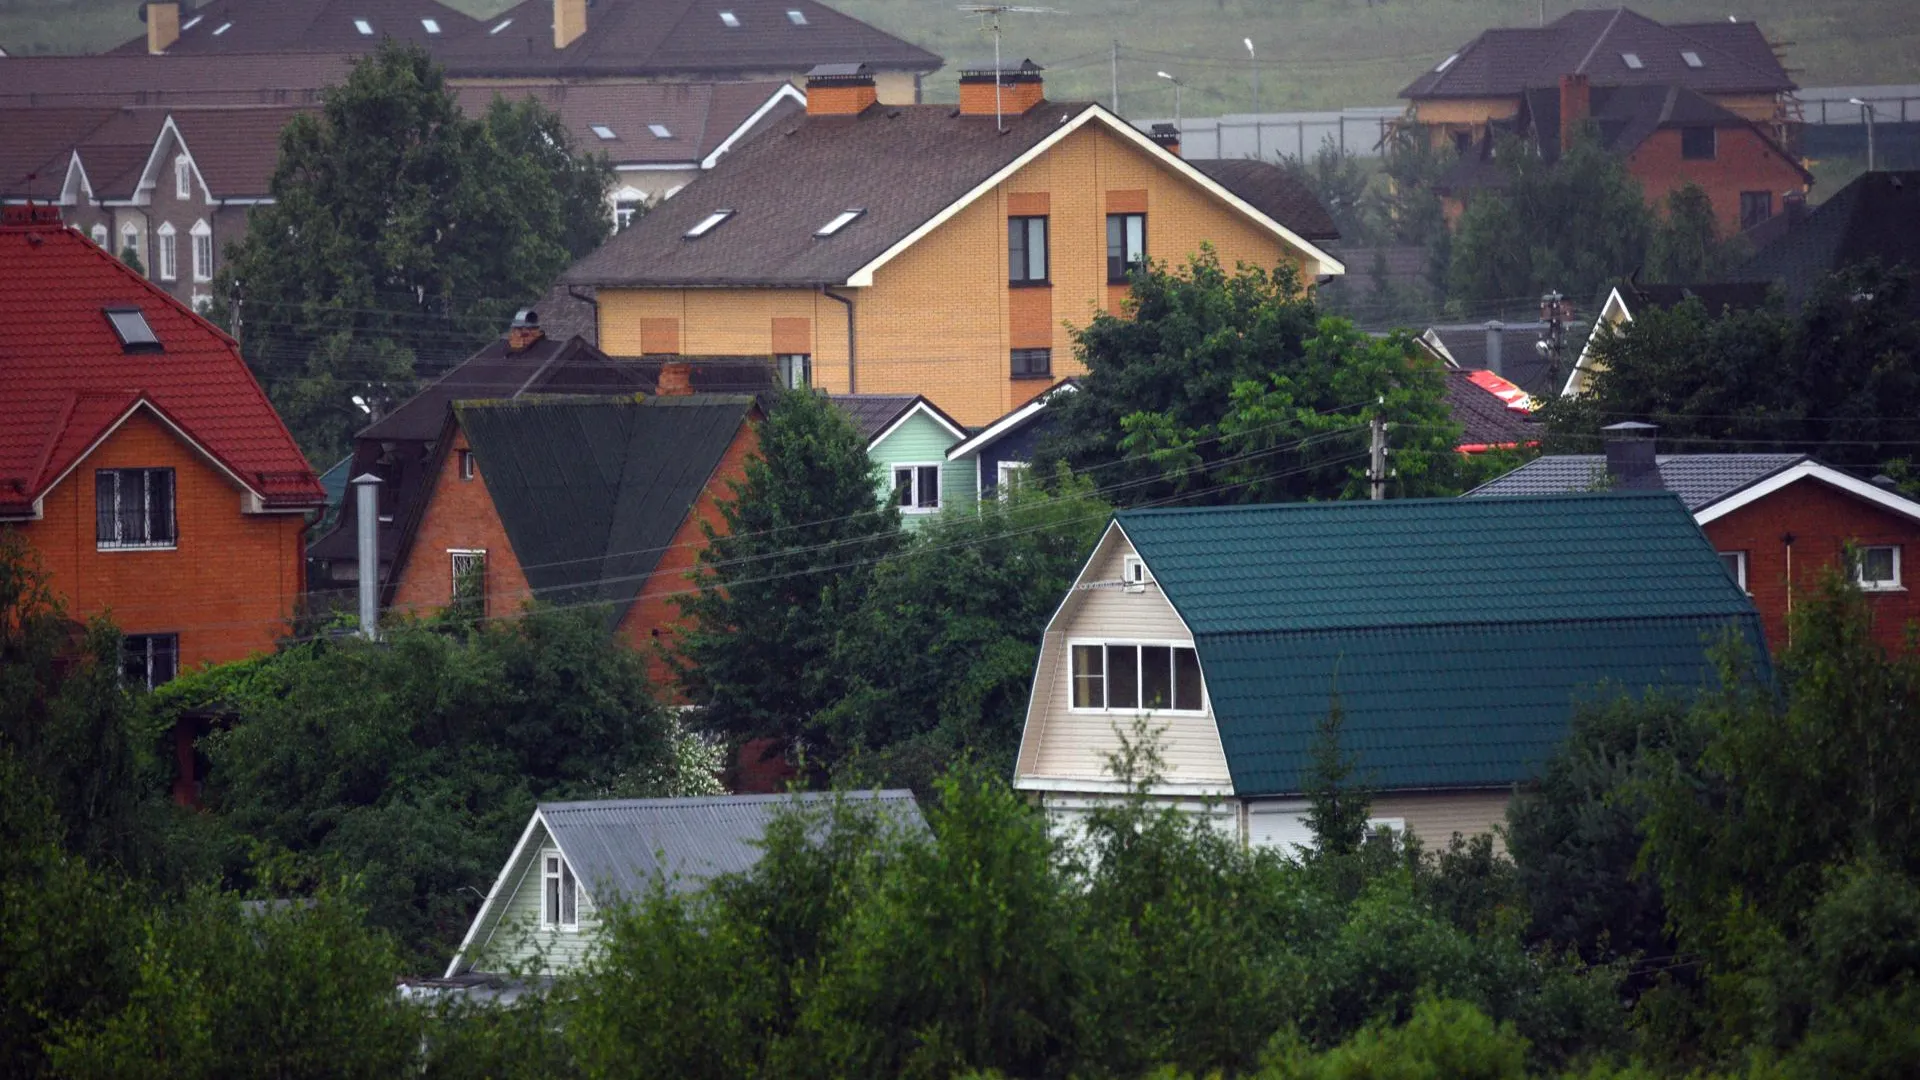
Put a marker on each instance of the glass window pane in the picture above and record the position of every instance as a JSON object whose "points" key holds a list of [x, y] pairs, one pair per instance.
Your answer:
{"points": [[903, 486], [1136, 237], [569, 896], [1088, 681], [1016, 249], [1156, 677], [929, 487], [105, 484], [1116, 248], [1876, 564], [133, 507], [1036, 249], [166, 648], [160, 505], [550, 912], [1123, 684], [1186, 680]]}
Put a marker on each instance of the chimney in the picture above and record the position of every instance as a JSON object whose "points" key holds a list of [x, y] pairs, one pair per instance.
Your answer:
{"points": [[163, 25], [569, 22], [1631, 465], [366, 494], [524, 331], [840, 90], [1794, 204], [676, 379], [1496, 338], [1020, 88], [1167, 136], [1576, 104]]}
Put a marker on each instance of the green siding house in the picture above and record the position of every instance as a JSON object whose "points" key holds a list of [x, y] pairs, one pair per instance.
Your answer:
{"points": [[907, 439]]}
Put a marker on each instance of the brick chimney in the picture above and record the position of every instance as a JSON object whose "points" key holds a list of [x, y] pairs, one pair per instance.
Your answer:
{"points": [[524, 331], [1631, 464], [163, 25], [1167, 136], [569, 21], [1020, 88], [840, 90], [1576, 104], [676, 379]]}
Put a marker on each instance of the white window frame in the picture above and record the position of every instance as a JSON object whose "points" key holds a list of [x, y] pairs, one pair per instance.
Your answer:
{"points": [[130, 238], [202, 234], [557, 879], [915, 502], [1106, 667], [796, 370], [1740, 568], [465, 459], [1860, 569], [1005, 472], [455, 556], [166, 253], [101, 235], [182, 177], [1134, 573]]}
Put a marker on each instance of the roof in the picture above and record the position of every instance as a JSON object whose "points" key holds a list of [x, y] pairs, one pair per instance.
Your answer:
{"points": [[66, 381], [873, 413], [679, 37], [39, 142], [1734, 57], [548, 366], [1465, 346], [139, 79], [1451, 673], [699, 118], [1628, 115], [235, 148], [1717, 297], [904, 167], [1698, 479], [1015, 420], [1877, 216], [591, 491], [1276, 192], [1491, 411], [224, 27]]}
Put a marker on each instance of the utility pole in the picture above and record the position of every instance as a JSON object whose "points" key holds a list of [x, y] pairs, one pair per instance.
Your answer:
{"points": [[1113, 70], [1377, 467], [1556, 312]]}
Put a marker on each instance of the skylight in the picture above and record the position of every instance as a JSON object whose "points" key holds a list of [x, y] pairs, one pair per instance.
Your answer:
{"points": [[1693, 59], [708, 224], [730, 19], [504, 23], [603, 131], [660, 131], [432, 25], [365, 27], [191, 23], [1632, 60], [223, 28], [1447, 63], [130, 326], [797, 18], [841, 222]]}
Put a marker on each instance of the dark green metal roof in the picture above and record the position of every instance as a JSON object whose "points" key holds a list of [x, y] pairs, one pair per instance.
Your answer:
{"points": [[592, 491], [1458, 633]]}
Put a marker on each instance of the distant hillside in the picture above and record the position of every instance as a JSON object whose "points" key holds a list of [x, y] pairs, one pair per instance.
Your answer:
{"points": [[1311, 53]]}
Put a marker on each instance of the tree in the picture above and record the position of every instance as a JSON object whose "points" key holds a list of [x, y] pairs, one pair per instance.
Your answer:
{"points": [[1229, 388], [1687, 246], [400, 237], [131, 256], [1341, 183], [1573, 225], [791, 564], [1339, 806]]}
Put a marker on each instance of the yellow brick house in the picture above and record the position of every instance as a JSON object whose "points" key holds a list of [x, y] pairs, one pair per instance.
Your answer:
{"points": [[932, 249]]}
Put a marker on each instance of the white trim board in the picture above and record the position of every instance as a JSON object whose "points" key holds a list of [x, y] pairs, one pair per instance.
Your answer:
{"points": [[1615, 303], [138, 404], [786, 91], [493, 894], [920, 404], [149, 178], [993, 431], [1809, 470], [1082, 786]]}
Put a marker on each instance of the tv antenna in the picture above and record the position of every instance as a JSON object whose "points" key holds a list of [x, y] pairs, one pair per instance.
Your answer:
{"points": [[990, 23]]}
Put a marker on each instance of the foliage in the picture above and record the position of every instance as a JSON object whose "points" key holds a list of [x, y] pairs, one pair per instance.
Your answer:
{"points": [[1413, 164], [1687, 246], [1338, 179], [130, 255], [1232, 388], [791, 564], [400, 237], [1338, 807]]}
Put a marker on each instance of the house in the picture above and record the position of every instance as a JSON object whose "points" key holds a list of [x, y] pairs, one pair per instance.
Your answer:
{"points": [[593, 503], [576, 859], [1667, 136], [1493, 413], [849, 238], [1730, 63], [1778, 521], [402, 447], [1874, 218], [125, 415], [1623, 300], [1233, 630], [907, 440], [161, 82], [227, 27], [1001, 452]]}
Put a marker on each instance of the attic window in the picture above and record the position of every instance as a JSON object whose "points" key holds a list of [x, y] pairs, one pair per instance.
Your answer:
{"points": [[1632, 60], [504, 23], [797, 18], [222, 28], [1693, 59], [708, 224], [660, 131], [842, 221], [732, 20], [603, 131], [365, 27], [1447, 63], [130, 326], [432, 25], [191, 23]]}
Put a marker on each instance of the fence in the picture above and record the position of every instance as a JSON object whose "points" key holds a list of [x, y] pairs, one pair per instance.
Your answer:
{"points": [[1269, 136]]}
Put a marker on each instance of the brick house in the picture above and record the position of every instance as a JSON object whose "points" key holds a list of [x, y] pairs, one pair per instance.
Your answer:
{"points": [[932, 250], [1777, 520], [125, 415]]}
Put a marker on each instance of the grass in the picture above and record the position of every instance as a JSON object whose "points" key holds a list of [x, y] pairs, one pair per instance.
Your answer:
{"points": [[1313, 54]]}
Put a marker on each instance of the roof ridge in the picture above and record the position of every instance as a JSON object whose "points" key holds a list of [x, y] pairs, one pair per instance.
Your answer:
{"points": [[1581, 67], [1384, 504], [1464, 625]]}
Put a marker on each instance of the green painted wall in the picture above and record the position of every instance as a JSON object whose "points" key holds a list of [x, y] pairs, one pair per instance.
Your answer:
{"points": [[518, 937], [922, 440]]}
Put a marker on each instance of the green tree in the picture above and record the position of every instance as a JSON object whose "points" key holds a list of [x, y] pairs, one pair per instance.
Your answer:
{"points": [[1341, 183], [793, 562], [131, 256], [1338, 802], [400, 237], [1687, 246]]}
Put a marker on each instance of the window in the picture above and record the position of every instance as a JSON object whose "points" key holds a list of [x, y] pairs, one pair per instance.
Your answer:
{"points": [[148, 660], [797, 18], [222, 28], [560, 896], [916, 488], [1133, 571], [1033, 363], [603, 132], [1462, 142], [1447, 63], [469, 569], [202, 251], [1692, 58], [624, 211], [166, 257], [1736, 564], [430, 25], [730, 20], [130, 326], [466, 464], [502, 25], [1755, 207], [1696, 143], [1632, 60], [100, 235], [1114, 676], [707, 224], [365, 27], [796, 371], [1027, 250], [133, 508], [191, 23], [1878, 568], [129, 240], [840, 221], [183, 177], [1010, 476], [1126, 245], [660, 131]]}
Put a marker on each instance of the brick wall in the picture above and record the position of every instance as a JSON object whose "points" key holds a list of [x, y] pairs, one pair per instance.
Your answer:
{"points": [[1821, 520], [227, 587], [459, 515], [1743, 161]]}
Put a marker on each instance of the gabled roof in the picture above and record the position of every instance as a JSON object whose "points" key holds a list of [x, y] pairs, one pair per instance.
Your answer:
{"points": [[39, 142], [1491, 411], [1734, 57], [1698, 479], [679, 37], [1452, 672], [1465, 346], [1013, 421], [591, 491], [66, 382], [224, 27], [876, 416], [1275, 192], [138, 79], [235, 148], [1628, 115], [1877, 216], [495, 373], [700, 118], [1622, 301]]}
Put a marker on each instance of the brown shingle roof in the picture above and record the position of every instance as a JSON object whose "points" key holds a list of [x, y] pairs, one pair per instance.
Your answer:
{"points": [[1274, 192], [236, 149], [126, 79], [698, 117], [1485, 420], [272, 26], [39, 142]]}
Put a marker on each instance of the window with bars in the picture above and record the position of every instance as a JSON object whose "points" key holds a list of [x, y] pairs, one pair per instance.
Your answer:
{"points": [[148, 660], [469, 568], [1032, 363], [1027, 250], [133, 508], [560, 894], [1126, 246], [1136, 677], [916, 488]]}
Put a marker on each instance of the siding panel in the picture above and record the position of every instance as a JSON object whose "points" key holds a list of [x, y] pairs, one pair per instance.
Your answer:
{"points": [[519, 940], [1435, 816], [922, 441]]}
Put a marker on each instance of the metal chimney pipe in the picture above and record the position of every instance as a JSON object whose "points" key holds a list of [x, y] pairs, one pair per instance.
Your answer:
{"points": [[366, 495], [1496, 332]]}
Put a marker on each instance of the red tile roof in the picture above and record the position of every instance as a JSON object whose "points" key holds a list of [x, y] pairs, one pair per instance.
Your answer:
{"points": [[65, 381]]}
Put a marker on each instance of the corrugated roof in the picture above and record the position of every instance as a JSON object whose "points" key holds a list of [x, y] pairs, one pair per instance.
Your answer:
{"points": [[1454, 668], [1700, 480], [620, 848]]}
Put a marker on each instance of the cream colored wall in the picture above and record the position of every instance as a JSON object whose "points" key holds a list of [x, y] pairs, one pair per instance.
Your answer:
{"points": [[1435, 816], [728, 322], [1062, 744]]}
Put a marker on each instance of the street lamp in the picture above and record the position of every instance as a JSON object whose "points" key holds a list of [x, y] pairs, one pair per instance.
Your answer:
{"points": [[1253, 64], [1871, 113], [1177, 85]]}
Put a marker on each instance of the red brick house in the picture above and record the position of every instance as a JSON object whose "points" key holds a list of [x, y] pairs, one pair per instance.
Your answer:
{"points": [[140, 459], [1778, 520]]}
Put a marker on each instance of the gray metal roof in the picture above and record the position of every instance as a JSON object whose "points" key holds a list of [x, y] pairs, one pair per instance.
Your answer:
{"points": [[620, 847], [1699, 479]]}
